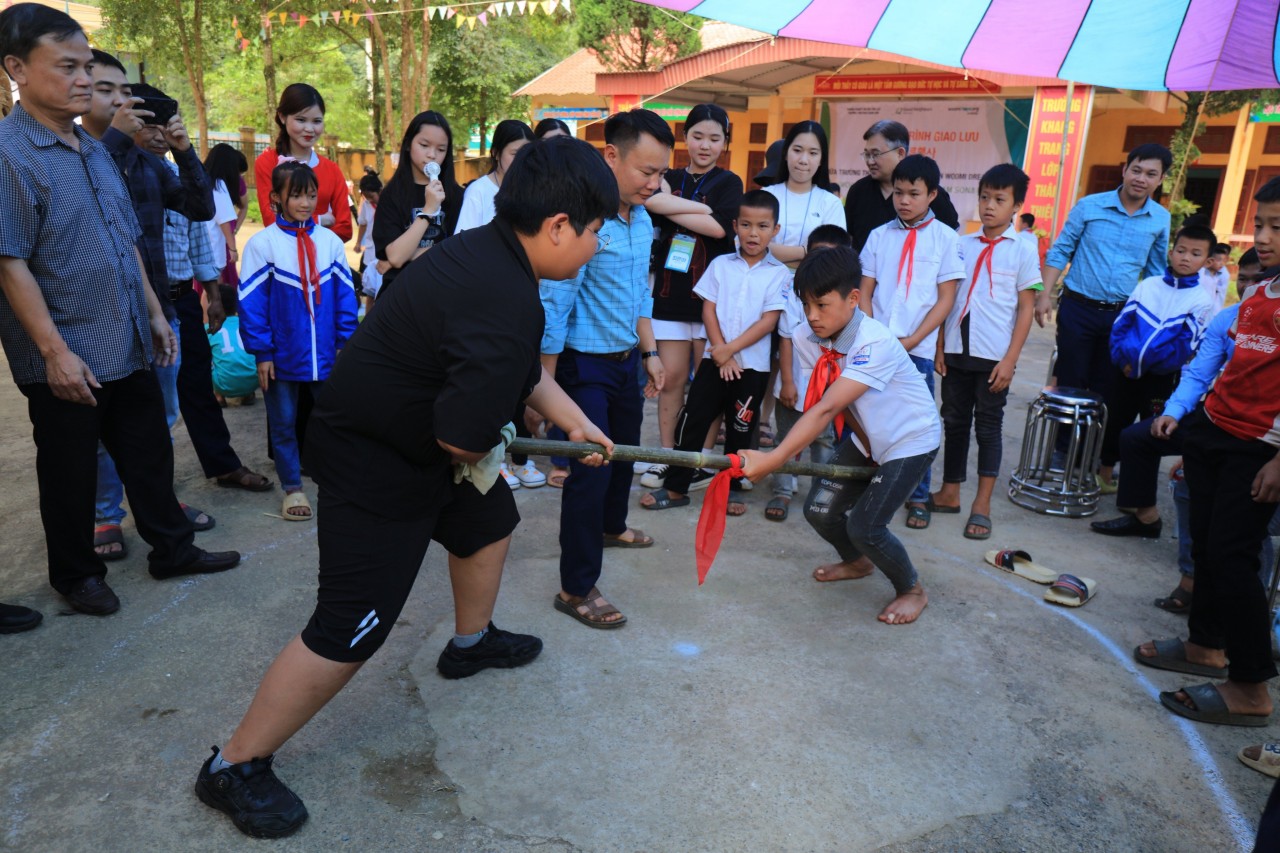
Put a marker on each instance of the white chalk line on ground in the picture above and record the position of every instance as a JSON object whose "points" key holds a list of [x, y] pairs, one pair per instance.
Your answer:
{"points": [[183, 590], [1240, 826]]}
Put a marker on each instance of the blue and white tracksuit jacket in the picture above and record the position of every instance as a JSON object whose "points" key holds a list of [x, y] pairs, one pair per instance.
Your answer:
{"points": [[1160, 327]]}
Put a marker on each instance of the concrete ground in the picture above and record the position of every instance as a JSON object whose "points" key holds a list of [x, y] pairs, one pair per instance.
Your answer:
{"points": [[761, 711]]}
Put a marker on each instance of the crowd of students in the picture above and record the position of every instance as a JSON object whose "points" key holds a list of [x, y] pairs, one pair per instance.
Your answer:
{"points": [[603, 280]]}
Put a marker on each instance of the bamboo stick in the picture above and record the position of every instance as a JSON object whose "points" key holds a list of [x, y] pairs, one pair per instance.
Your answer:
{"points": [[687, 459]]}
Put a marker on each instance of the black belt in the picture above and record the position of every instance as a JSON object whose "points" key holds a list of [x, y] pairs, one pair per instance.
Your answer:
{"points": [[1097, 304], [608, 356], [179, 288]]}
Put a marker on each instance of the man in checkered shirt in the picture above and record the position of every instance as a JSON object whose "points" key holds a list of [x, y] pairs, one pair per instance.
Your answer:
{"points": [[79, 323]]}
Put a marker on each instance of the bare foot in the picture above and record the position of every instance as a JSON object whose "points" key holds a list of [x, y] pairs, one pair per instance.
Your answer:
{"points": [[906, 608], [1195, 654], [1241, 698], [735, 508], [850, 571]]}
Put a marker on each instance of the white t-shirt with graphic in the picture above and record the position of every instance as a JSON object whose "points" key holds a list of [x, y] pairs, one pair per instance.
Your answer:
{"points": [[800, 213]]}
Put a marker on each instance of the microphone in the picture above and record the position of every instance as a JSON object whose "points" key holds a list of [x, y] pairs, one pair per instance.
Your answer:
{"points": [[433, 170]]}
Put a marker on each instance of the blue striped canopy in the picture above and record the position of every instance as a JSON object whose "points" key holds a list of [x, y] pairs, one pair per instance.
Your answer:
{"points": [[1181, 45]]}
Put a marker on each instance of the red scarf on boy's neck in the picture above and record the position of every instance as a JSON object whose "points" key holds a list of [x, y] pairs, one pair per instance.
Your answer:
{"points": [[308, 274], [908, 257], [984, 258]]}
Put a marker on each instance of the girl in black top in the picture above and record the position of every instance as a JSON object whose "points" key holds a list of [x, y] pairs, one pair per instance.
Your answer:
{"points": [[693, 217], [415, 212]]}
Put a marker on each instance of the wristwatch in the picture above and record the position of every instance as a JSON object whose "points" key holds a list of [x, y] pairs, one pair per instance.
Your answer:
{"points": [[645, 356]]}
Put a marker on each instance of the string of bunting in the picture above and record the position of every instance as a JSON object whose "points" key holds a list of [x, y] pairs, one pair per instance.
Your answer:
{"points": [[462, 14]]}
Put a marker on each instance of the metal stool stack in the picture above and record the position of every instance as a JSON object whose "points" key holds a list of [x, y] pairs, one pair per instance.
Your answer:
{"points": [[1065, 485]]}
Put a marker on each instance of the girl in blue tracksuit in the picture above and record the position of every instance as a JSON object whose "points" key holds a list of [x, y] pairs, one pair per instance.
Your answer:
{"points": [[297, 311]]}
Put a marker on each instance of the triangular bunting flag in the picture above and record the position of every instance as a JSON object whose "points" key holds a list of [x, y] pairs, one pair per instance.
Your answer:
{"points": [[302, 20], [508, 6], [564, 4], [520, 4], [449, 13], [471, 23], [244, 44], [262, 33], [239, 34], [545, 6], [552, 5], [484, 18], [284, 16], [235, 22]]}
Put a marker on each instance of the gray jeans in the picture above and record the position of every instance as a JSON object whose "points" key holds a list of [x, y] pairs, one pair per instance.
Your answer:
{"points": [[854, 515], [784, 485]]}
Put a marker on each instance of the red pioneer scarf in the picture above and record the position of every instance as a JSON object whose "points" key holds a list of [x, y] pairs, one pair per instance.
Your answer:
{"points": [[984, 257], [308, 274], [908, 257], [711, 520]]}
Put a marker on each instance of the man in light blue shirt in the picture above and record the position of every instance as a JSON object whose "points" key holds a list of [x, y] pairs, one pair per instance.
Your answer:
{"points": [[1111, 241], [597, 334]]}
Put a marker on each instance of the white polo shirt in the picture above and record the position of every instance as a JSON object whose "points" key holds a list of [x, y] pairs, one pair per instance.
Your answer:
{"points": [[800, 213], [1216, 284], [742, 293], [897, 412], [992, 301], [903, 305]]}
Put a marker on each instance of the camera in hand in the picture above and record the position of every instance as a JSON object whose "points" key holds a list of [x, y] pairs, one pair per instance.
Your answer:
{"points": [[163, 109]]}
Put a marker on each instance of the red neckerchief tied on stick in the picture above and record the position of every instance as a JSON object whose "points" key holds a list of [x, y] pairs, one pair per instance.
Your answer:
{"points": [[984, 258], [908, 257], [308, 274], [711, 521]]}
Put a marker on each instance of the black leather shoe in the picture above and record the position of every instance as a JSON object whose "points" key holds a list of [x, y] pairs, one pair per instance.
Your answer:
{"points": [[251, 794], [14, 618], [498, 648], [92, 595], [207, 563], [1128, 525]]}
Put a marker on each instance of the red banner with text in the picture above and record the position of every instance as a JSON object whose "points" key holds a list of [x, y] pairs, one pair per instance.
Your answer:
{"points": [[1045, 155]]}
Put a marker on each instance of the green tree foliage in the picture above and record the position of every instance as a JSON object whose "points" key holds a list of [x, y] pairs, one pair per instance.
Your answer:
{"points": [[630, 36], [1199, 106]]}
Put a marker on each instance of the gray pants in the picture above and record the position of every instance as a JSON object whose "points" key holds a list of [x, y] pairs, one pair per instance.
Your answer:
{"points": [[784, 485]]}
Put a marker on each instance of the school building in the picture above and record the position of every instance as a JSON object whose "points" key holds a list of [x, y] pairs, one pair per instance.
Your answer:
{"points": [[967, 120]]}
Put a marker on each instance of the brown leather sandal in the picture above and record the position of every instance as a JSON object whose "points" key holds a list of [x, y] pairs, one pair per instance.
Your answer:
{"points": [[590, 610]]}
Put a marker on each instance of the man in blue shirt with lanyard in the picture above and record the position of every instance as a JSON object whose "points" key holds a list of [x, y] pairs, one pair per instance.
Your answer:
{"points": [[1111, 240], [597, 333]]}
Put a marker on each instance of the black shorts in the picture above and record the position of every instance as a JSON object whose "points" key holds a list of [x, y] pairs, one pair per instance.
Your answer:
{"points": [[368, 562]]}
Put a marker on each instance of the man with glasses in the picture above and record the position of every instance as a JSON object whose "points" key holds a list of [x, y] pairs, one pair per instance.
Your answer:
{"points": [[869, 203]]}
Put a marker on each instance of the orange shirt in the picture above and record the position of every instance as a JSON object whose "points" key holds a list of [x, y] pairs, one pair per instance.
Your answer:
{"points": [[333, 197]]}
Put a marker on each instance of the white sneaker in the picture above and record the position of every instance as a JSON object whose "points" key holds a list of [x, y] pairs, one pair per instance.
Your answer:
{"points": [[529, 476], [509, 477], [655, 476], [640, 468]]}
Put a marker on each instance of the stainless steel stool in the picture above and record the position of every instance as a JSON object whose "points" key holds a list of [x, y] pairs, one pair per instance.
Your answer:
{"points": [[1068, 485]]}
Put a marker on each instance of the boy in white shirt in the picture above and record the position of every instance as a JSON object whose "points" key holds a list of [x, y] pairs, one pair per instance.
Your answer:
{"points": [[911, 268], [743, 296], [1214, 276], [981, 342], [884, 415]]}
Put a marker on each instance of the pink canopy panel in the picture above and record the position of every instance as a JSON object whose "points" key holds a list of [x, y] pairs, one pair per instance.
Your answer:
{"points": [[1182, 45]]}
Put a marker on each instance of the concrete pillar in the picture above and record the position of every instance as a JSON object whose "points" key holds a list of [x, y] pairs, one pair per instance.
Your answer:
{"points": [[775, 119], [247, 138], [1233, 178]]}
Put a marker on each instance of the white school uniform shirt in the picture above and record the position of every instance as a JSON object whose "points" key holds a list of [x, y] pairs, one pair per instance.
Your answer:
{"points": [[937, 259], [1216, 284], [805, 353], [1029, 237], [992, 301], [800, 213], [223, 212], [897, 411], [477, 204], [742, 293]]}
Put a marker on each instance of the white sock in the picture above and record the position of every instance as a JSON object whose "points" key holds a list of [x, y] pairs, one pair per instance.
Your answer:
{"points": [[219, 763]]}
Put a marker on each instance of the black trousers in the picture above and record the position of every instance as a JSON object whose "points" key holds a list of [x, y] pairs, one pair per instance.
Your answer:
{"points": [[129, 420], [1129, 400], [1140, 455], [200, 410], [1229, 610], [967, 401], [709, 397]]}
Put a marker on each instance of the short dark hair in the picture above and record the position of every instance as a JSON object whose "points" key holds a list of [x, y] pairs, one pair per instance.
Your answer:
{"points": [[547, 125], [894, 132], [827, 270], [291, 178], [1221, 249], [761, 200], [828, 235], [623, 130], [1151, 151], [1270, 192], [370, 183], [1249, 258], [1199, 233], [557, 175], [101, 57], [1006, 176], [1028, 220], [917, 167], [22, 25], [821, 177]]}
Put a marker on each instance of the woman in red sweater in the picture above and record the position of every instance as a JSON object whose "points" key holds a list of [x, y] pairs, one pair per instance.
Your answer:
{"points": [[300, 117]]}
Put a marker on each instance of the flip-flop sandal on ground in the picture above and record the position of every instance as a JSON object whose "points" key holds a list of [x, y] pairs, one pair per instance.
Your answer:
{"points": [[194, 515], [590, 610], [110, 534], [639, 539], [1210, 707], [1020, 564], [243, 478], [766, 437], [941, 509], [662, 500], [777, 509], [557, 477], [1268, 761], [1171, 655], [1071, 591], [1178, 601], [293, 500], [978, 520], [918, 513]]}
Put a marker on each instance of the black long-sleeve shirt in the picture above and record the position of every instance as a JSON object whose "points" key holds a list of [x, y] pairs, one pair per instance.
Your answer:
{"points": [[866, 208]]}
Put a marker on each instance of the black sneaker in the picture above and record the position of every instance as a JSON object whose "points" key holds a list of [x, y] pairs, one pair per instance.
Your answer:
{"points": [[497, 648], [259, 804], [700, 480]]}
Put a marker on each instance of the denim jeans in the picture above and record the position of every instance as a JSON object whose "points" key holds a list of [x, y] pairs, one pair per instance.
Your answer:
{"points": [[1182, 505], [784, 485], [854, 515], [282, 415], [109, 502], [921, 493]]}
